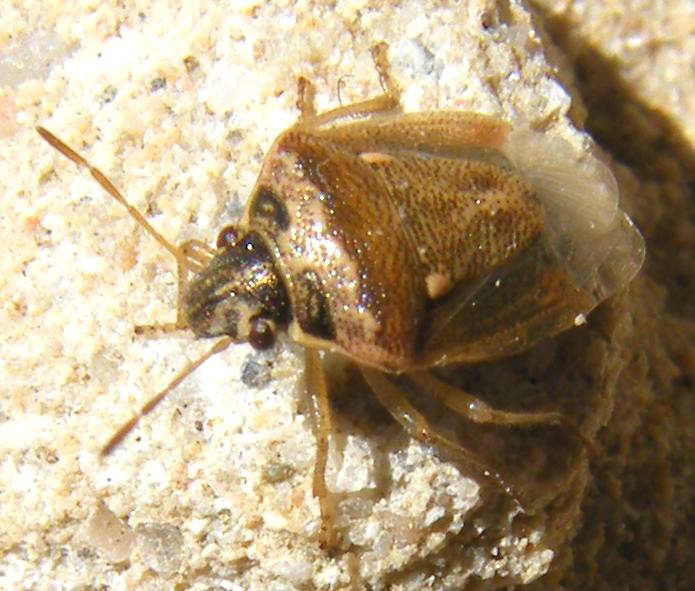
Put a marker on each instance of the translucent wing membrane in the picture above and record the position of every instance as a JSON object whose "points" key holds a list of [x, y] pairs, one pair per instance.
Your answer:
{"points": [[593, 240], [577, 190], [589, 249]]}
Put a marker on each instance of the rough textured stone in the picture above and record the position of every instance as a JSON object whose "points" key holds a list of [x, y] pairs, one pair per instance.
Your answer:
{"points": [[177, 102]]}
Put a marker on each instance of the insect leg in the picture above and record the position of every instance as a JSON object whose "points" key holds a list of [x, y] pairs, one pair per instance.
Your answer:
{"points": [[306, 93], [478, 411], [380, 55], [317, 395], [388, 101], [475, 409], [416, 425], [198, 254]]}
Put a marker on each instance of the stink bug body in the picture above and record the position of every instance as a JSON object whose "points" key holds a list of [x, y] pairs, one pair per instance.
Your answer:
{"points": [[404, 242]]}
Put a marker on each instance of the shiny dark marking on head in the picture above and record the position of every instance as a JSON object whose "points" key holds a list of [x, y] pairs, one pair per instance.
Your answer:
{"points": [[239, 287], [312, 308], [265, 204]]}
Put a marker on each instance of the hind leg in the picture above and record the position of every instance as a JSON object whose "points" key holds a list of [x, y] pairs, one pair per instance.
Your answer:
{"points": [[476, 410], [416, 425]]}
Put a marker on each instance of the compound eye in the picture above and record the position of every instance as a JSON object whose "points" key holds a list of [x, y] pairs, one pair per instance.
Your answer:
{"points": [[261, 334], [228, 236]]}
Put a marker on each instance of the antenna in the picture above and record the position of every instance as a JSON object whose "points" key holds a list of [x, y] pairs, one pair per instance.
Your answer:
{"points": [[100, 177], [181, 259], [152, 403]]}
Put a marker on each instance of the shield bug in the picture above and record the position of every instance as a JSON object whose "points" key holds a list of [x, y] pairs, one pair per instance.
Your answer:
{"points": [[404, 242]]}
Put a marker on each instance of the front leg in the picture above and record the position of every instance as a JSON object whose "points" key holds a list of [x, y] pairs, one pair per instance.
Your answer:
{"points": [[197, 255]]}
